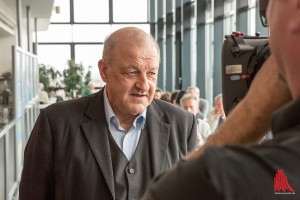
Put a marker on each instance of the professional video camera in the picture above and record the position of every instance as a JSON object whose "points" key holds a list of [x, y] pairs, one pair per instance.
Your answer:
{"points": [[242, 57]]}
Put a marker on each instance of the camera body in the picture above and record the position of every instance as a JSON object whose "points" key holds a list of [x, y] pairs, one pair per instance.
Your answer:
{"points": [[242, 57]]}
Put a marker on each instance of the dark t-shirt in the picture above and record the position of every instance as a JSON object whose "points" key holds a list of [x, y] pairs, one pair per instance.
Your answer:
{"points": [[259, 172]]}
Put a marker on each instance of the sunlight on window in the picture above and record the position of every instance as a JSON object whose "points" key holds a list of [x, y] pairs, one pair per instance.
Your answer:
{"points": [[91, 11], [55, 55], [89, 59], [130, 10], [56, 33], [63, 9], [90, 33]]}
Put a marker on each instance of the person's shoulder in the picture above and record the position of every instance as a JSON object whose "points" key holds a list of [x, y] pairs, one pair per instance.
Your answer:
{"points": [[167, 107], [203, 122], [69, 106]]}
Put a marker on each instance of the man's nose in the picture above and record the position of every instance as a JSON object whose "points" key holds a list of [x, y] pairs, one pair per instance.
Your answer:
{"points": [[143, 82]]}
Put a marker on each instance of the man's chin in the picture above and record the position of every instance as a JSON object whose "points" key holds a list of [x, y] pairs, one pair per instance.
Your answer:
{"points": [[138, 109]]}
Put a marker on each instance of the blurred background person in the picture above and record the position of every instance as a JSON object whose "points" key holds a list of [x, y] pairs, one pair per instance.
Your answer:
{"points": [[158, 93], [174, 96], [166, 97], [203, 104], [190, 103], [88, 89], [43, 95], [216, 115]]}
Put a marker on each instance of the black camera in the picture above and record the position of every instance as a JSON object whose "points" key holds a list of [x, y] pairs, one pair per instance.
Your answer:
{"points": [[242, 57]]}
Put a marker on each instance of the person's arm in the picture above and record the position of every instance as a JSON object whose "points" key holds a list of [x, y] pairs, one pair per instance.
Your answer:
{"points": [[249, 121]]}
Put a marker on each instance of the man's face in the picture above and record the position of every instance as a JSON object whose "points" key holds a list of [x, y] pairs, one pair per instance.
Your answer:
{"points": [[130, 78], [191, 105], [284, 22]]}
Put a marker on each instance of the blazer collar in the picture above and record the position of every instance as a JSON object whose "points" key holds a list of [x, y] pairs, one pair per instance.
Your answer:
{"points": [[96, 131], [159, 134]]}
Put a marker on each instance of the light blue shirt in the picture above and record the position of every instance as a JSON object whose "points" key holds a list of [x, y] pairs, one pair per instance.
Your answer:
{"points": [[127, 141]]}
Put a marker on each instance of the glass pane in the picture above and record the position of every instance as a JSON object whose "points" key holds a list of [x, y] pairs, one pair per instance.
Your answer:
{"points": [[90, 59], [145, 27], [56, 33], [61, 11], [90, 33], [91, 11], [130, 10], [54, 55], [251, 21], [11, 159]]}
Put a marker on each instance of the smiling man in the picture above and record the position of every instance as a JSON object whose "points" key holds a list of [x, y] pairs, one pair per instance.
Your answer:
{"points": [[109, 145]]}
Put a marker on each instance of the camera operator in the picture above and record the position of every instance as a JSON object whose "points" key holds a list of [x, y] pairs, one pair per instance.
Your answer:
{"points": [[238, 171]]}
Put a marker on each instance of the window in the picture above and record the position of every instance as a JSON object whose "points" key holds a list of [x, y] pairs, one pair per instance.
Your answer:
{"points": [[89, 59], [130, 10], [229, 21], [54, 55], [56, 33], [251, 17], [90, 33], [91, 11], [61, 11]]}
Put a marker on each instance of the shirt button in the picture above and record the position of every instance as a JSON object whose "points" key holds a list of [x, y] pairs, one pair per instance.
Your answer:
{"points": [[131, 170]]}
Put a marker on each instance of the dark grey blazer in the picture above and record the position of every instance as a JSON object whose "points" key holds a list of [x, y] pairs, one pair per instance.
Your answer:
{"points": [[68, 153]]}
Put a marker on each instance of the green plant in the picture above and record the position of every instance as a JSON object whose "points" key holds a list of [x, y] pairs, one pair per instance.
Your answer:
{"points": [[88, 76], [47, 75], [73, 78]]}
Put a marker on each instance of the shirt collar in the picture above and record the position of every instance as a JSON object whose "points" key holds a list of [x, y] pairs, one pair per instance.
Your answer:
{"points": [[111, 118]]}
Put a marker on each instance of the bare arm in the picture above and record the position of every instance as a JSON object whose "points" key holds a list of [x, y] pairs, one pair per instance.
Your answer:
{"points": [[250, 120]]}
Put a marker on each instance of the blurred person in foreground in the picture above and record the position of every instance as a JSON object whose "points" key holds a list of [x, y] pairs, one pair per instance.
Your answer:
{"points": [[108, 145], [266, 171]]}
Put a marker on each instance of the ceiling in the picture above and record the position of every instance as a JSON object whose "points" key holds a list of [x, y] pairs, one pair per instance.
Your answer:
{"points": [[40, 9]]}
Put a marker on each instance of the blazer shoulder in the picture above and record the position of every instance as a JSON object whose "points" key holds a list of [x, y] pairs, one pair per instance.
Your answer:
{"points": [[169, 112], [169, 108], [70, 107]]}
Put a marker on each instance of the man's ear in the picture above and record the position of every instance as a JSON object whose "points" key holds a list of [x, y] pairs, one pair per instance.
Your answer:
{"points": [[102, 69]]}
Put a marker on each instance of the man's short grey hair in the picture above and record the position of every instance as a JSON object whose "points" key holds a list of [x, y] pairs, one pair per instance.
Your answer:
{"points": [[188, 96], [219, 97], [194, 88], [111, 41]]}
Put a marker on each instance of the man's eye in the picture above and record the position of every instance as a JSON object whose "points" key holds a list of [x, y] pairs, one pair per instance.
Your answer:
{"points": [[131, 73], [151, 74]]}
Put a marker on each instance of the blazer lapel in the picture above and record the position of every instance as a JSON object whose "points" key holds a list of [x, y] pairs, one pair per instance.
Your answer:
{"points": [[159, 133], [96, 131]]}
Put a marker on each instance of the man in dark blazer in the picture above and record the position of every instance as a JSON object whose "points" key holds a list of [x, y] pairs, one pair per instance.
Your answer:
{"points": [[108, 145]]}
